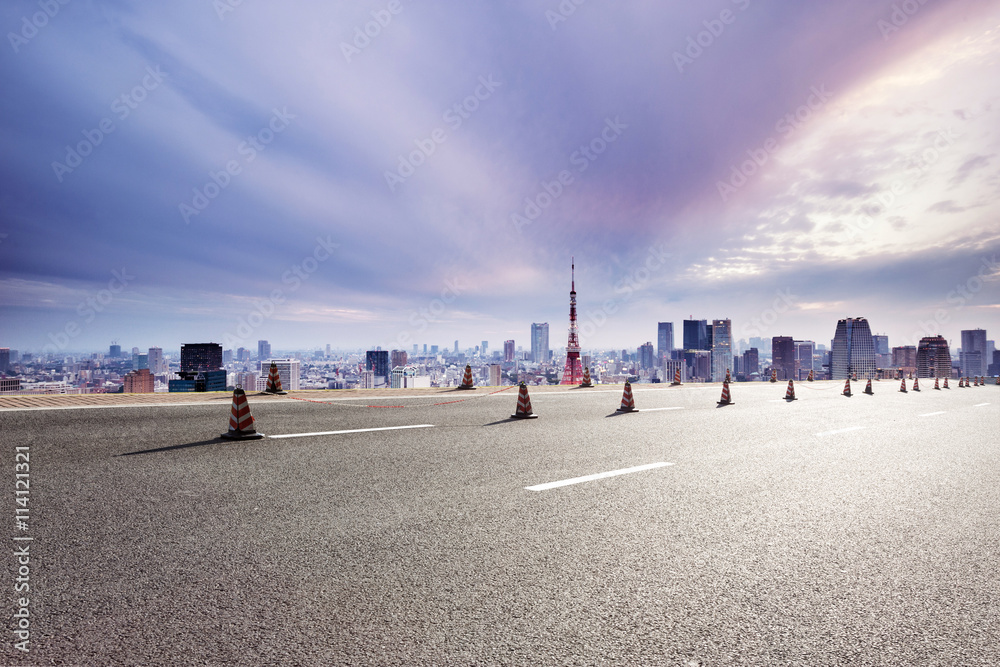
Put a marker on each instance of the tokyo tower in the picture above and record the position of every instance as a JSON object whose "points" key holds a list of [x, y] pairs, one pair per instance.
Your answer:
{"points": [[573, 373]]}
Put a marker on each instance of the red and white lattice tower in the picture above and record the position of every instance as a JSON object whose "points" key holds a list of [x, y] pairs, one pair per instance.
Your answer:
{"points": [[573, 373]]}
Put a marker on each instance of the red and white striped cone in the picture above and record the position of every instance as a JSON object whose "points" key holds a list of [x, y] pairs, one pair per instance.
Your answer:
{"points": [[728, 377], [467, 382], [628, 404], [847, 387], [586, 378], [902, 385], [274, 381], [964, 386], [916, 384], [774, 375], [726, 398], [677, 377], [868, 387], [810, 378], [523, 404], [979, 381], [998, 381], [790, 392], [946, 384], [937, 385], [241, 422]]}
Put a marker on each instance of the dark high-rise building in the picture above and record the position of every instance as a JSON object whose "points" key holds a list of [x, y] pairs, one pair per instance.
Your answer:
{"points": [[508, 350], [647, 356], [197, 357], [751, 362], [696, 335], [115, 351], [263, 350], [377, 361], [783, 357], [540, 342], [4, 359], [933, 358], [664, 339], [853, 350]]}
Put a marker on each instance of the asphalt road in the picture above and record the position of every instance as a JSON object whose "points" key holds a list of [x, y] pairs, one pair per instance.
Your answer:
{"points": [[826, 531]]}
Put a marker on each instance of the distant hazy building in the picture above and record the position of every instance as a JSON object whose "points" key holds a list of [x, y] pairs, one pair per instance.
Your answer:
{"points": [[263, 349], [378, 362], [483, 349], [853, 350], [722, 349], [933, 357], [905, 357], [883, 356], [508, 350], [695, 335], [751, 363], [495, 375], [647, 356], [805, 358], [288, 372], [139, 382], [540, 342], [397, 358], [4, 359], [405, 377], [664, 339], [973, 355], [699, 364], [366, 380], [155, 358], [115, 351], [783, 357]]}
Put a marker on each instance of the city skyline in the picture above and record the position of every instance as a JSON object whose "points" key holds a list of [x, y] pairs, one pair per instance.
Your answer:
{"points": [[184, 173]]}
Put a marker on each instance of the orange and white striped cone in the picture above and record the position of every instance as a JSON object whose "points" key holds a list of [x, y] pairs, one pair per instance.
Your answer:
{"points": [[774, 375], [790, 392], [523, 404], [241, 422], [902, 385], [586, 378], [726, 398], [810, 378], [946, 384], [847, 387], [937, 385], [916, 384], [467, 382], [677, 377], [868, 388], [274, 381], [628, 404]]}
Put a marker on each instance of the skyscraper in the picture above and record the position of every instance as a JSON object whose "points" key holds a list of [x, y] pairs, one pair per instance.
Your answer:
{"points": [[156, 365], [805, 353], [664, 339], [377, 361], [973, 356], [573, 372], [483, 348], [508, 350], [540, 342], [647, 357], [933, 357], [263, 349], [397, 358], [722, 349], [853, 350], [695, 335], [783, 357], [4, 359], [197, 357], [115, 351]]}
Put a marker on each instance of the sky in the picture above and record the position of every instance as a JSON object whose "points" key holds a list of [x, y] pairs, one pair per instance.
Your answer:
{"points": [[403, 172]]}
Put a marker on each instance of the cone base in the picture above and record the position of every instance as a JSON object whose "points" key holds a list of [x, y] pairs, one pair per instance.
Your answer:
{"points": [[790, 398], [848, 395], [588, 384], [870, 393], [524, 415], [675, 384], [916, 390], [272, 393], [462, 386], [242, 435], [626, 410], [726, 403]]}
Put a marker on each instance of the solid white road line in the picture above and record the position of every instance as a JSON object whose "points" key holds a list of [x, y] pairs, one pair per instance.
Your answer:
{"points": [[842, 430], [600, 475], [353, 430], [931, 414], [979, 405], [673, 407]]}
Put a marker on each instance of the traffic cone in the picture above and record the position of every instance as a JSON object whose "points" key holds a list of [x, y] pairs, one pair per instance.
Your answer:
{"points": [[726, 398], [523, 404], [274, 381], [628, 404], [946, 384], [728, 378], [936, 385], [241, 422], [790, 392], [774, 375], [847, 388], [810, 378], [902, 385], [677, 377], [916, 384], [998, 380], [868, 387], [467, 382], [586, 378]]}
